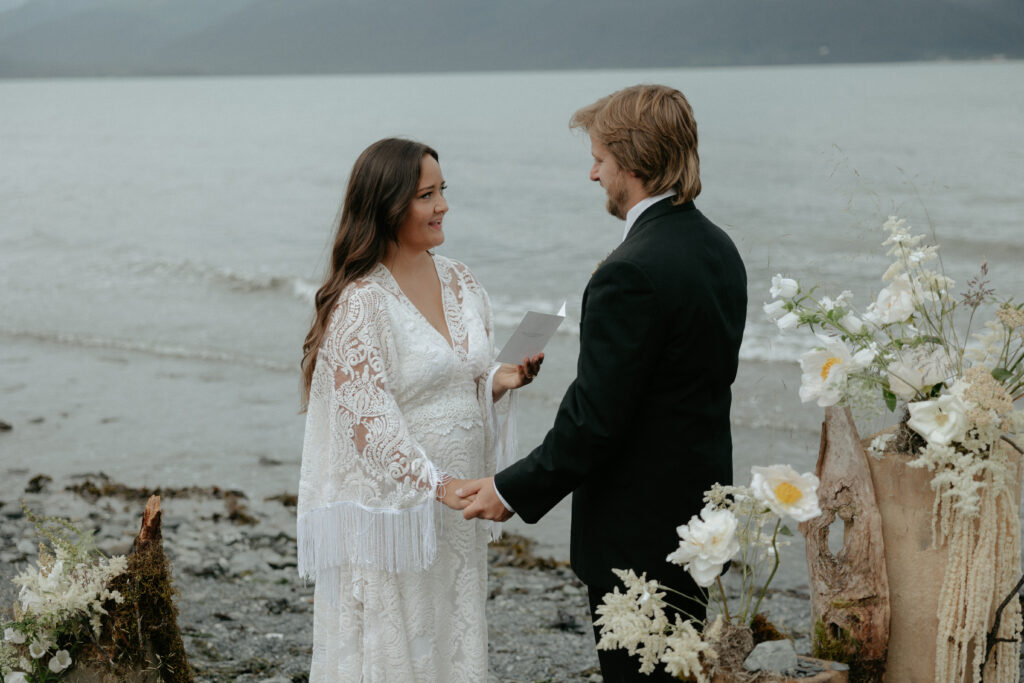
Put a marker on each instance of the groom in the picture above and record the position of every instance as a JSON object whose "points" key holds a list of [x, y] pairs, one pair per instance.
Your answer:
{"points": [[644, 428]]}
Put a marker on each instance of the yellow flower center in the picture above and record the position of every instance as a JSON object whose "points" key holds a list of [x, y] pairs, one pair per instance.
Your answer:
{"points": [[827, 367], [941, 419], [787, 494]]}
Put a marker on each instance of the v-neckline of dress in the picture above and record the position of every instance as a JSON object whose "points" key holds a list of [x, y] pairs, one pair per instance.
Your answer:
{"points": [[449, 341]]}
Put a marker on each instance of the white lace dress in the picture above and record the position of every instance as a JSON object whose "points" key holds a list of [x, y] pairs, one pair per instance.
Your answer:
{"points": [[401, 580]]}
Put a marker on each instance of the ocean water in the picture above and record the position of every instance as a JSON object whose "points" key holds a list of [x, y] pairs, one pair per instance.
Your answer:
{"points": [[161, 239]]}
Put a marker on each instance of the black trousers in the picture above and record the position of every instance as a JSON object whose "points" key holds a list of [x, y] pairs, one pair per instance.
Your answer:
{"points": [[617, 666]]}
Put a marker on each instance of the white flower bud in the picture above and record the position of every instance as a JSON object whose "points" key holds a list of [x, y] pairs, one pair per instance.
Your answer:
{"points": [[60, 661], [783, 287]]}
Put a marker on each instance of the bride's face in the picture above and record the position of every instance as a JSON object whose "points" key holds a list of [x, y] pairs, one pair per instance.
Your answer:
{"points": [[421, 228]]}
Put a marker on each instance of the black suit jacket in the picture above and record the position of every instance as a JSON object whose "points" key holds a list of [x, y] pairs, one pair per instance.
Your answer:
{"points": [[643, 430]]}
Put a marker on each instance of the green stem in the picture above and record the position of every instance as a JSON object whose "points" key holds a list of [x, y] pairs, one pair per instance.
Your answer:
{"points": [[725, 603], [680, 609], [775, 568], [683, 595]]}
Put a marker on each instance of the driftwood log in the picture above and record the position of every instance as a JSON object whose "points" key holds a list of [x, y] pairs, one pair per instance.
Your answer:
{"points": [[850, 607], [141, 641]]}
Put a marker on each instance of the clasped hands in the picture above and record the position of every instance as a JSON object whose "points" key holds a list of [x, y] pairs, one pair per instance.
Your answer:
{"points": [[477, 498]]}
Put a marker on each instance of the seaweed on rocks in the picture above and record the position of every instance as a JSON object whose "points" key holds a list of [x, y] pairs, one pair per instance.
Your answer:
{"points": [[99, 485], [513, 550]]}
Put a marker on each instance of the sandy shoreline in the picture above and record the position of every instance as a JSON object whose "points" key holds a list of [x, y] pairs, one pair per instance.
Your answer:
{"points": [[245, 614]]}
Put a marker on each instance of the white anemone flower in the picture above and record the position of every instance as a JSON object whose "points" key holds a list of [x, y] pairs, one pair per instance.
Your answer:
{"points": [[786, 492], [706, 543], [826, 370], [919, 368], [939, 421], [783, 287], [895, 303], [15, 636], [60, 661]]}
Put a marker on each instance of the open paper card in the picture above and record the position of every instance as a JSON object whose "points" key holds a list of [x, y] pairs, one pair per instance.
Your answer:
{"points": [[532, 335]]}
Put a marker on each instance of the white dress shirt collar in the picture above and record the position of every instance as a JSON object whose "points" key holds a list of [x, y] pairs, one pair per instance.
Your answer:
{"points": [[642, 206]]}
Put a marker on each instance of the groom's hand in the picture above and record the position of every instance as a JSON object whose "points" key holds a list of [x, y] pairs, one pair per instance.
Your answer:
{"points": [[486, 504]]}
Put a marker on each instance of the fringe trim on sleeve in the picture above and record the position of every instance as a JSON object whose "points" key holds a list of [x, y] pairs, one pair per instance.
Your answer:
{"points": [[347, 533]]}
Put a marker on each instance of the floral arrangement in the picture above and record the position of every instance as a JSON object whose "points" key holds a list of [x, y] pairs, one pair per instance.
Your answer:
{"points": [[740, 523], [60, 605], [916, 343]]}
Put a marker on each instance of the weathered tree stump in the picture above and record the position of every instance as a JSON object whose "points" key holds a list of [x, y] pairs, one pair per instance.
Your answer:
{"points": [[141, 641], [850, 607]]}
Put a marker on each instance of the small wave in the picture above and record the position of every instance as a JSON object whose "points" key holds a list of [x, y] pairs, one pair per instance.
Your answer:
{"points": [[148, 348], [762, 341], [187, 270], [508, 314], [773, 424]]}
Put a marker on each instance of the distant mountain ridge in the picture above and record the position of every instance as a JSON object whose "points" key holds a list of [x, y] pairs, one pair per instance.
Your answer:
{"points": [[42, 38]]}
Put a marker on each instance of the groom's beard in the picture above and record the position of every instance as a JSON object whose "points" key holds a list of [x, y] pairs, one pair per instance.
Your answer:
{"points": [[617, 198]]}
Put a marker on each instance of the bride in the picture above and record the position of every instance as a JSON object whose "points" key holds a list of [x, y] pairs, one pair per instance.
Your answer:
{"points": [[404, 402]]}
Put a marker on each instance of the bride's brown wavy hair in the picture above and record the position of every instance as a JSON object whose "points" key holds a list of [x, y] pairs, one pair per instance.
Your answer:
{"points": [[383, 182]]}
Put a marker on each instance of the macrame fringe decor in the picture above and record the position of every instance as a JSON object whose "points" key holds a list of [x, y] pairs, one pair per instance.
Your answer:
{"points": [[983, 566]]}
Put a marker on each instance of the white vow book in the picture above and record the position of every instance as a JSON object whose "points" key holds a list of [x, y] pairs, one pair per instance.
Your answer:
{"points": [[532, 335]]}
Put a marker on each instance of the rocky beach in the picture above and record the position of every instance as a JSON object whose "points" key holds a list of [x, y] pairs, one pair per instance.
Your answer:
{"points": [[246, 616]]}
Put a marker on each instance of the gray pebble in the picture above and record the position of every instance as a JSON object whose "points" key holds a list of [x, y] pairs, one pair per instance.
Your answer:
{"points": [[775, 655]]}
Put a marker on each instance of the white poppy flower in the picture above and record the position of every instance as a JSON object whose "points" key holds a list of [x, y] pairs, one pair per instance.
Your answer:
{"points": [[60, 661], [783, 287], [919, 368], [939, 421], [774, 309], [706, 544], [826, 370], [37, 649], [894, 304], [15, 677], [786, 492], [14, 636]]}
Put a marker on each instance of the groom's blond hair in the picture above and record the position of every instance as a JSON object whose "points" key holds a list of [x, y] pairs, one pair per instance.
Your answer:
{"points": [[650, 130]]}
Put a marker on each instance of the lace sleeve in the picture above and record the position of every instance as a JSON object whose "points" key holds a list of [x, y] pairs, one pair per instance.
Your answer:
{"points": [[366, 419], [367, 488]]}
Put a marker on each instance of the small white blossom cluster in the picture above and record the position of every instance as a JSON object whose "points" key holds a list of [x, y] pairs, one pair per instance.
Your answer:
{"points": [[733, 524], [880, 444], [635, 620], [58, 600]]}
